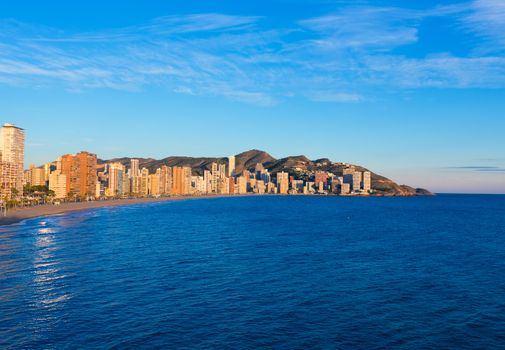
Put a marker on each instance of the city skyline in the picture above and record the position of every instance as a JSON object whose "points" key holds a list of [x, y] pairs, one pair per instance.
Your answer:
{"points": [[195, 79], [84, 177]]}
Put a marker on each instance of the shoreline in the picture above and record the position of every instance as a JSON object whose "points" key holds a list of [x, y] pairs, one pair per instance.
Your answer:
{"points": [[19, 215]]}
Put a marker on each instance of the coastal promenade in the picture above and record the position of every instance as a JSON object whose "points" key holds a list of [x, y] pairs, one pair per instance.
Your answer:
{"points": [[17, 215]]}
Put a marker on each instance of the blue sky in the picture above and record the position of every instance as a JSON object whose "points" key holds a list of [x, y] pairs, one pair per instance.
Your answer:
{"points": [[414, 90]]}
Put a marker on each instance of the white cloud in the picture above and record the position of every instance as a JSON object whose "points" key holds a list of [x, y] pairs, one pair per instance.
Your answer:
{"points": [[437, 71], [487, 19], [236, 57]]}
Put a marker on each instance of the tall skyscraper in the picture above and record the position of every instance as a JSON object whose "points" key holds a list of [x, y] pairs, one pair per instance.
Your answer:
{"points": [[231, 166], [12, 155], [134, 167]]}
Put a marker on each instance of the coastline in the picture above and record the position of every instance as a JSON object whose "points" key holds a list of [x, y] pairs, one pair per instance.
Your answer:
{"points": [[18, 215]]}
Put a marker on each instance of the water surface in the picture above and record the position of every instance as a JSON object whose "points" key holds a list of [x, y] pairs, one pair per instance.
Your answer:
{"points": [[259, 272]]}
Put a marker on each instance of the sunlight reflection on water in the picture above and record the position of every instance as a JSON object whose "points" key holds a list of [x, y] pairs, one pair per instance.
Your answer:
{"points": [[47, 277]]}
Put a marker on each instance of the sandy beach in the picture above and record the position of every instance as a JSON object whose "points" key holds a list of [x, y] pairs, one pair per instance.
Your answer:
{"points": [[17, 215]]}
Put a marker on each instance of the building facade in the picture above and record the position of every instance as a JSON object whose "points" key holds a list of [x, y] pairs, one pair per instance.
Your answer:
{"points": [[12, 155]]}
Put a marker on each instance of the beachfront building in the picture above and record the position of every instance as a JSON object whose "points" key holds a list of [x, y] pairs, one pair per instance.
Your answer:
{"points": [[144, 182], [165, 180], [134, 167], [58, 184], [117, 173], [241, 185], [80, 172], [35, 176], [283, 182], [181, 180], [154, 183], [12, 155]]}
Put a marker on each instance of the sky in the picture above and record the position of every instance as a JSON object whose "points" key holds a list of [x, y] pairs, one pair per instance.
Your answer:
{"points": [[413, 90]]}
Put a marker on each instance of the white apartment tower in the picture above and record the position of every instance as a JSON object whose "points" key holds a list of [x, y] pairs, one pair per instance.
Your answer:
{"points": [[12, 155], [231, 166]]}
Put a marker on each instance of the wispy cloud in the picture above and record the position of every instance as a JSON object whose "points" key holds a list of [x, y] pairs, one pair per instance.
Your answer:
{"points": [[364, 27], [339, 57], [487, 19], [323, 96], [478, 168]]}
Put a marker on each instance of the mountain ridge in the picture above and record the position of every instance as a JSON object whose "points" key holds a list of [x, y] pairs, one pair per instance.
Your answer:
{"points": [[298, 166]]}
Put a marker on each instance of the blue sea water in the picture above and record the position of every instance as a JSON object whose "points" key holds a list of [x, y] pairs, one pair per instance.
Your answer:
{"points": [[259, 272]]}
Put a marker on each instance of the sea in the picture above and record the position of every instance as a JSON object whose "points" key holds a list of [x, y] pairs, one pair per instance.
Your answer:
{"points": [[259, 272]]}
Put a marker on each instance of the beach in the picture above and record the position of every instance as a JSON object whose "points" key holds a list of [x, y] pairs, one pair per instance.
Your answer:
{"points": [[17, 215]]}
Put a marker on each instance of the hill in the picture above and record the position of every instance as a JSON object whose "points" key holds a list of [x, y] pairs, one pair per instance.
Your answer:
{"points": [[299, 166]]}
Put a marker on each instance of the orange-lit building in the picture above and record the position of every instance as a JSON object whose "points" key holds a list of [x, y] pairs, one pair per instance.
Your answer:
{"points": [[283, 182], [80, 172]]}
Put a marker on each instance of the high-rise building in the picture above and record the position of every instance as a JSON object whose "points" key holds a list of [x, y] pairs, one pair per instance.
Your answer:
{"points": [[356, 181], [166, 180], [136, 182], [367, 181], [241, 185], [64, 165], [83, 181], [231, 185], [47, 171], [37, 176], [283, 182], [154, 183], [134, 167], [186, 173], [58, 184], [12, 155], [231, 166], [177, 181], [144, 182], [98, 191], [321, 177], [8, 175], [214, 178], [181, 180], [216, 181], [197, 185], [207, 180], [353, 179], [117, 174], [80, 172]]}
